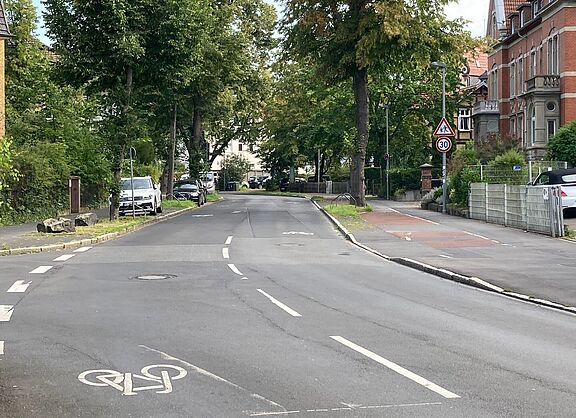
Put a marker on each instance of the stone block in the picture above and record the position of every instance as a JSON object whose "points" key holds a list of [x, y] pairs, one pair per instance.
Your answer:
{"points": [[86, 219], [54, 226]]}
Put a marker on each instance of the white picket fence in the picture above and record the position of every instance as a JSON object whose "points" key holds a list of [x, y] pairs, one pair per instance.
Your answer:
{"points": [[536, 209]]}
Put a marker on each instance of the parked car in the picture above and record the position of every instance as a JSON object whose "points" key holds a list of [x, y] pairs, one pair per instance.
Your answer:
{"points": [[566, 179], [209, 181], [284, 183], [253, 182], [314, 179], [147, 196], [190, 189]]}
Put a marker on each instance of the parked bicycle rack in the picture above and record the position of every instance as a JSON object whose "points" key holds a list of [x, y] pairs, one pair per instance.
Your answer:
{"points": [[347, 196]]}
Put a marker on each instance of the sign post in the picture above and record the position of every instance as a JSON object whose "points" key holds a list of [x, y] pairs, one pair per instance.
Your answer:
{"points": [[443, 144]]}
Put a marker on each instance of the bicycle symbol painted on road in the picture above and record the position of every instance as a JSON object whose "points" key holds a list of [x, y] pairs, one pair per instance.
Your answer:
{"points": [[160, 380]]}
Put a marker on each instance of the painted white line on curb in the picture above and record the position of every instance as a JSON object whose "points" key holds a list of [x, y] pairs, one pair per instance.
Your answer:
{"points": [[82, 249], [19, 286], [1, 347], [225, 253], [64, 257], [6, 312], [229, 240], [280, 304], [235, 269], [395, 367], [41, 269]]}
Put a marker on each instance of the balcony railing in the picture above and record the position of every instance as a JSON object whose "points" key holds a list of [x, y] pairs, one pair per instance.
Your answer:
{"points": [[487, 106], [543, 83]]}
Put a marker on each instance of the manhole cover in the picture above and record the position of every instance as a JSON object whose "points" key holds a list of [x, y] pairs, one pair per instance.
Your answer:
{"points": [[154, 277]]}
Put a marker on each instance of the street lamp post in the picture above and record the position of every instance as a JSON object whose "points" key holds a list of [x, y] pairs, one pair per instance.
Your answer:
{"points": [[387, 107], [442, 65]]}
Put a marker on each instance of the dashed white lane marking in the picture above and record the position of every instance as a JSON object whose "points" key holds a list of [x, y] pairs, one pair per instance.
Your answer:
{"points": [[345, 408], [210, 375], [238, 211], [297, 233], [244, 278], [444, 256], [201, 216], [19, 286], [81, 249], [6, 312], [64, 257], [225, 253], [395, 367], [413, 216], [41, 269], [229, 240], [1, 347], [235, 269], [280, 304]]}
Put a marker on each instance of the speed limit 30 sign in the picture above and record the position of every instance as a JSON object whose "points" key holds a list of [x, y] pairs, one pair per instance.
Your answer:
{"points": [[443, 144]]}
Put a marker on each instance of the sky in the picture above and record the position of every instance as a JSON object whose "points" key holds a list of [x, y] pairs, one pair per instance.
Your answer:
{"points": [[474, 11]]}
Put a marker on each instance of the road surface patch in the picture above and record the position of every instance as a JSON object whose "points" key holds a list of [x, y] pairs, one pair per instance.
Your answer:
{"points": [[458, 243], [395, 367], [380, 218]]}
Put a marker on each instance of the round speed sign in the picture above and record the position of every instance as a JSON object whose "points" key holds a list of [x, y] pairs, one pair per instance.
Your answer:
{"points": [[443, 144]]}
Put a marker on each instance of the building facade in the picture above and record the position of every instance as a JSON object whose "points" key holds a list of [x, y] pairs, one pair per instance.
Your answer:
{"points": [[531, 72]]}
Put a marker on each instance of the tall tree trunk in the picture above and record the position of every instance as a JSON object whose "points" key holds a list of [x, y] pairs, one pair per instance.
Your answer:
{"points": [[360, 87], [194, 151], [117, 170], [172, 152]]}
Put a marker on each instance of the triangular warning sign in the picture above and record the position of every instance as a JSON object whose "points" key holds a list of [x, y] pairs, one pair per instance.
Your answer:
{"points": [[443, 129]]}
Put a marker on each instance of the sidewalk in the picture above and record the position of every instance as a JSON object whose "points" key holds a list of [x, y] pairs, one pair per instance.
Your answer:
{"points": [[530, 264]]}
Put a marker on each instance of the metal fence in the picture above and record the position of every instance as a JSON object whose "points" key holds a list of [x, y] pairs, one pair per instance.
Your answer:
{"points": [[536, 209], [515, 175]]}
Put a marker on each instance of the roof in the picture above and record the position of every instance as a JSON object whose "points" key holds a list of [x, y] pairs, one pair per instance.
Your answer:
{"points": [[4, 29], [511, 6], [477, 63]]}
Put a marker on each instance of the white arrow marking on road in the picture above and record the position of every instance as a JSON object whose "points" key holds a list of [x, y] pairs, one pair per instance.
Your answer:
{"points": [[235, 269], [395, 367], [64, 257], [82, 249], [19, 286], [225, 253], [41, 269], [297, 233], [6, 312], [229, 240], [279, 304], [1, 347]]}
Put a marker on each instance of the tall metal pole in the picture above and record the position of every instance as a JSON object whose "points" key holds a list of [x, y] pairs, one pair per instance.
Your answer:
{"points": [[444, 199], [387, 159], [132, 152]]}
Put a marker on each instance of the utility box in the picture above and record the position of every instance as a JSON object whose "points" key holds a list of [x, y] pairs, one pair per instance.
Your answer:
{"points": [[74, 191], [426, 178]]}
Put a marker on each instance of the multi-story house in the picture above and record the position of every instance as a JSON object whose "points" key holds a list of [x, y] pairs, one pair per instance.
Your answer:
{"points": [[474, 89], [248, 151], [531, 72]]}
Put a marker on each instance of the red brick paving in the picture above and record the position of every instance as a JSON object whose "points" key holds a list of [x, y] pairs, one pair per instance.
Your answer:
{"points": [[387, 218]]}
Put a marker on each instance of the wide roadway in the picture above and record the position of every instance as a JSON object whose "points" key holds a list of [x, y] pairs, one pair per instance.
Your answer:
{"points": [[256, 306]]}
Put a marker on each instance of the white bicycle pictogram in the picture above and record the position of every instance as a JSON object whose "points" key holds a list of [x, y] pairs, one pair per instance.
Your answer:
{"points": [[162, 378]]}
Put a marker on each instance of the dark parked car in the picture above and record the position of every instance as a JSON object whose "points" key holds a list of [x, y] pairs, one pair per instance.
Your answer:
{"points": [[253, 183], [284, 184], [190, 189]]}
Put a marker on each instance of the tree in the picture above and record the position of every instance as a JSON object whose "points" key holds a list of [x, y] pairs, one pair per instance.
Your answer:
{"points": [[562, 146], [234, 168], [351, 38]]}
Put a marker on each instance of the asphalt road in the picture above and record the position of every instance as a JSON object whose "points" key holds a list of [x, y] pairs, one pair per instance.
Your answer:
{"points": [[255, 306]]}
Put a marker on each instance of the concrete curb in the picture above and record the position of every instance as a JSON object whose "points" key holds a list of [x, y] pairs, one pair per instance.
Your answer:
{"points": [[446, 274], [95, 240]]}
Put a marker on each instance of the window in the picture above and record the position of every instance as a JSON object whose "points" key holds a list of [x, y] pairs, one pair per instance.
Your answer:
{"points": [[532, 125], [512, 80], [251, 147], [551, 127], [513, 127], [239, 147], [553, 55], [535, 7], [520, 130], [494, 26], [494, 85], [520, 76], [464, 120], [533, 63]]}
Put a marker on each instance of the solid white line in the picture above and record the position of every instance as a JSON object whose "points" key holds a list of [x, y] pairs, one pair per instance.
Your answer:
{"points": [[41, 269], [225, 253], [406, 405], [395, 367], [394, 210], [235, 269], [6, 312], [82, 249], [229, 240], [1, 347], [422, 219], [64, 257], [19, 286], [279, 304], [477, 235]]}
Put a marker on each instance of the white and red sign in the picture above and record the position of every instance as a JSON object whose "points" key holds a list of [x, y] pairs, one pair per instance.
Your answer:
{"points": [[443, 144], [444, 129]]}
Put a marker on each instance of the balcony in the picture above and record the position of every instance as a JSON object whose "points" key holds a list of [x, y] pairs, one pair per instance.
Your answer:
{"points": [[486, 107], [543, 84]]}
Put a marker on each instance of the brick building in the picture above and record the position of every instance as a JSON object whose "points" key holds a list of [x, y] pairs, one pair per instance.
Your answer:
{"points": [[531, 72]]}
